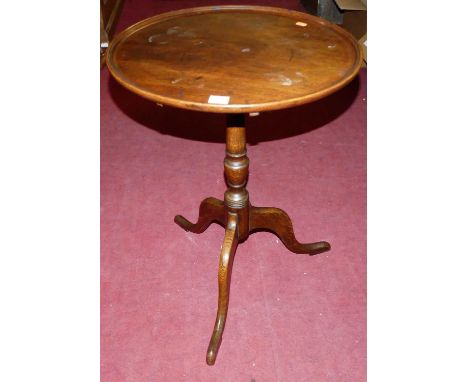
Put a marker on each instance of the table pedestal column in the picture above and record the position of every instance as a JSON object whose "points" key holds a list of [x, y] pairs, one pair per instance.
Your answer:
{"points": [[240, 219]]}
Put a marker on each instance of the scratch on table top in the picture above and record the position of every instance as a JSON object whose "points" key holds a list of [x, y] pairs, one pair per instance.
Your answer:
{"points": [[173, 30], [279, 78], [187, 34], [153, 37]]}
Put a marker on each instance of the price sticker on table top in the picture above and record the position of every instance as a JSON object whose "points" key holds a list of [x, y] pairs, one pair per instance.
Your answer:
{"points": [[220, 100]]}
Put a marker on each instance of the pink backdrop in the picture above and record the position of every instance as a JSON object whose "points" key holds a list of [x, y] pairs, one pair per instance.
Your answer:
{"points": [[291, 317]]}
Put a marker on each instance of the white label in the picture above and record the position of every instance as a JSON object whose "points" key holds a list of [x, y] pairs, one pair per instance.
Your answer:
{"points": [[301, 24], [220, 100]]}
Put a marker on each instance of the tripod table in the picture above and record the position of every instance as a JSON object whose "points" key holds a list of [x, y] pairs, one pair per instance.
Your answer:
{"points": [[235, 60]]}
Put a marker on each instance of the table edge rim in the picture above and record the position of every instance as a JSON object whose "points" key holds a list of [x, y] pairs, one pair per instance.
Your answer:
{"points": [[232, 108]]}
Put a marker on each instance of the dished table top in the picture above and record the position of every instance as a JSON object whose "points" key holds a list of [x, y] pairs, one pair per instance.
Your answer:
{"points": [[234, 59]]}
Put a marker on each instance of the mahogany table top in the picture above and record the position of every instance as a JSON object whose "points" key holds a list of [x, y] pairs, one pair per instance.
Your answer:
{"points": [[234, 59]]}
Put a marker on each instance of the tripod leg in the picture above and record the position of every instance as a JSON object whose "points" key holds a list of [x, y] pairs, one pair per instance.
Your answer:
{"points": [[224, 280], [211, 210], [277, 221]]}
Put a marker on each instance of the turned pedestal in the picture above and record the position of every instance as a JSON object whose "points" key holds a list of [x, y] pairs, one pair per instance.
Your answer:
{"points": [[239, 218]]}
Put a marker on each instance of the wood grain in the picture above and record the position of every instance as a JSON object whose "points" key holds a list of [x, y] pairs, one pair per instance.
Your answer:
{"points": [[262, 58]]}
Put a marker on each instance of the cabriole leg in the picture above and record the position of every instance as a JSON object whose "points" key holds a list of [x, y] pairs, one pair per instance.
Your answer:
{"points": [[211, 210], [224, 281], [277, 221]]}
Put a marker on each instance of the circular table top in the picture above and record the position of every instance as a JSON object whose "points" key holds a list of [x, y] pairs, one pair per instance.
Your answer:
{"points": [[234, 59]]}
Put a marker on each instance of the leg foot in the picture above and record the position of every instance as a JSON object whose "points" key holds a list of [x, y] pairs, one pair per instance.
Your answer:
{"points": [[224, 280], [277, 221], [211, 210]]}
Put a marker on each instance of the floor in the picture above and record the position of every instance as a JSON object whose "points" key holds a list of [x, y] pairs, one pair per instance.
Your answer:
{"points": [[291, 317]]}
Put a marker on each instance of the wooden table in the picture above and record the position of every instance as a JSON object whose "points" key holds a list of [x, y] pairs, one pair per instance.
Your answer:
{"points": [[235, 60]]}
